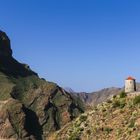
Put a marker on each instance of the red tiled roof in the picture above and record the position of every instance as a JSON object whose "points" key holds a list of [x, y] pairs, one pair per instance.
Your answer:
{"points": [[130, 78]]}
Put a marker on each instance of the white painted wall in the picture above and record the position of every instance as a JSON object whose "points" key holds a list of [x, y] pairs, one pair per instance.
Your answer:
{"points": [[130, 86]]}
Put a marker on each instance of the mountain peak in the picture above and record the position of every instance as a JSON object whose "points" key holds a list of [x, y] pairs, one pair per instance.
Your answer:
{"points": [[5, 46]]}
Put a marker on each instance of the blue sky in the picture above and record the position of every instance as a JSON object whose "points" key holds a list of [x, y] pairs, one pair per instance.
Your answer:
{"points": [[83, 44]]}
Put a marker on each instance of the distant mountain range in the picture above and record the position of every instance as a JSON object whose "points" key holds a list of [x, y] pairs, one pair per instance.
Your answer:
{"points": [[100, 96], [97, 97]]}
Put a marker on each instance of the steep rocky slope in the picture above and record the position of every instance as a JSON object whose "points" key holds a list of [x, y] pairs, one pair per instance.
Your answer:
{"points": [[30, 107], [116, 119]]}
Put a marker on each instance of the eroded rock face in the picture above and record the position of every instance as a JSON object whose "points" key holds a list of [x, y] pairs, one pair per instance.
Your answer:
{"points": [[5, 48], [12, 119], [30, 107]]}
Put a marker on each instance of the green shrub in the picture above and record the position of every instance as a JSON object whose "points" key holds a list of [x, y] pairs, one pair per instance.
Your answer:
{"points": [[123, 94], [122, 103], [136, 100], [131, 124], [81, 129], [109, 101], [107, 129], [114, 96], [119, 103], [83, 118], [77, 124], [74, 136], [116, 103]]}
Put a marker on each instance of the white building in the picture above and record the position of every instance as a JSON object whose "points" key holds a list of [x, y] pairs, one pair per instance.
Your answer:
{"points": [[130, 85]]}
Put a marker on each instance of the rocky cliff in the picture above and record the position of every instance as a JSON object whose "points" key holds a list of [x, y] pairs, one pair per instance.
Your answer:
{"points": [[30, 107]]}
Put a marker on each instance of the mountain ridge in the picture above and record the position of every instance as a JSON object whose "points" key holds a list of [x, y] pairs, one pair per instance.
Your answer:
{"points": [[31, 107], [99, 96]]}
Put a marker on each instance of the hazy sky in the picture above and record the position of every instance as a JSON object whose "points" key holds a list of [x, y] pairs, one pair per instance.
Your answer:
{"points": [[83, 44]]}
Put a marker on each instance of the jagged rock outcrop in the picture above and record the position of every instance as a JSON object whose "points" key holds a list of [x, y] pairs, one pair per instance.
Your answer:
{"points": [[8, 64], [30, 107], [12, 119], [5, 48]]}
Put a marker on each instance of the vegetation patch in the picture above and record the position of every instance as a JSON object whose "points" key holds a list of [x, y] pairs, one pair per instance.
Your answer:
{"points": [[123, 94], [136, 100], [107, 129], [83, 118]]}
